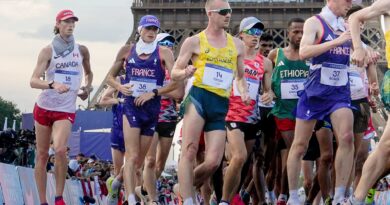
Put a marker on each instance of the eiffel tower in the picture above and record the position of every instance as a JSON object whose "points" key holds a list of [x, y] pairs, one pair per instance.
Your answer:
{"points": [[184, 18]]}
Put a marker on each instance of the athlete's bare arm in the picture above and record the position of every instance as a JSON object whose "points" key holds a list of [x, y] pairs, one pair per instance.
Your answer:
{"points": [[242, 85], [379, 7], [268, 94], [272, 55], [42, 64], [190, 49], [87, 72], [167, 56], [373, 79], [115, 68], [108, 98], [312, 30]]}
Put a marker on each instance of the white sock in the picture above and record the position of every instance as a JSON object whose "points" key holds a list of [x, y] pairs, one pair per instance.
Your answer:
{"points": [[223, 203], [188, 201], [294, 197], [131, 199], [339, 194], [355, 201]]}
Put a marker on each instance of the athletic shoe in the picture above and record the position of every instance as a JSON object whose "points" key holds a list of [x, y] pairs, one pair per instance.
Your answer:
{"points": [[370, 197], [328, 201], [60, 202]]}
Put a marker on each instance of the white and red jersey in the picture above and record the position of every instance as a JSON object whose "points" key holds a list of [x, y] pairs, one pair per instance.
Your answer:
{"points": [[67, 70], [168, 111], [238, 111]]}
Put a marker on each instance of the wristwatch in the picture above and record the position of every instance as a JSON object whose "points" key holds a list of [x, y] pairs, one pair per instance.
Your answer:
{"points": [[51, 84], [155, 91]]}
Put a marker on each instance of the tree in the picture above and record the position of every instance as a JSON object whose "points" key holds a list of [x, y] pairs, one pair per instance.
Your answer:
{"points": [[8, 109]]}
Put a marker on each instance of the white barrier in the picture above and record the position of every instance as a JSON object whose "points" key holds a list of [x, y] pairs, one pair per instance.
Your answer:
{"points": [[17, 187], [9, 180], [27, 182]]}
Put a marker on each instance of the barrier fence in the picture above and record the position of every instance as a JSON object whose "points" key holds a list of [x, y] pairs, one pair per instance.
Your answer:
{"points": [[17, 187]]}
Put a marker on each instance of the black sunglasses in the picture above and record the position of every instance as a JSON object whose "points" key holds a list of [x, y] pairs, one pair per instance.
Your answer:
{"points": [[222, 12]]}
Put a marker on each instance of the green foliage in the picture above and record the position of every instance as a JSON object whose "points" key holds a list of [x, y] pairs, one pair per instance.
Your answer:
{"points": [[9, 109]]}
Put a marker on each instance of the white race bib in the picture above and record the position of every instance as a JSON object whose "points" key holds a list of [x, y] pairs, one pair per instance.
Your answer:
{"points": [[69, 78], [289, 88], [253, 88], [142, 85], [217, 76], [334, 74], [355, 82]]}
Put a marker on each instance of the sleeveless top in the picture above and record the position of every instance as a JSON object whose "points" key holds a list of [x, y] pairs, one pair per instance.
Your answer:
{"points": [[216, 67], [288, 78], [67, 70], [144, 75], [238, 111], [328, 75]]}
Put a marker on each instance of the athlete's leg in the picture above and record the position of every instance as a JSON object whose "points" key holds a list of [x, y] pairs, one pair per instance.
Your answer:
{"points": [[303, 132], [375, 166], [61, 130], [149, 172], [342, 123], [308, 175], [325, 141], [163, 148], [233, 171], [192, 128], [117, 159], [215, 141], [360, 159], [358, 137], [288, 137], [42, 134], [136, 149]]}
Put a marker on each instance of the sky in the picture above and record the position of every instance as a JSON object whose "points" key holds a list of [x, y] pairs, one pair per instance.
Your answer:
{"points": [[26, 27]]}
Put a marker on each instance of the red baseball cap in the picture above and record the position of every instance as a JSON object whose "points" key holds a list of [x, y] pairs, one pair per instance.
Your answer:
{"points": [[65, 14]]}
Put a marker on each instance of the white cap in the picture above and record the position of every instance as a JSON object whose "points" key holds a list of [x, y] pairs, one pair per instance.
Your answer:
{"points": [[250, 22], [74, 165], [162, 36], [90, 161]]}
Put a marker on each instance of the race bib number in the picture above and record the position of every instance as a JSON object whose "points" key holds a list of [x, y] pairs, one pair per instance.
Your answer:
{"points": [[290, 88], [217, 76], [253, 88], [355, 82], [333, 74], [69, 78], [142, 85]]}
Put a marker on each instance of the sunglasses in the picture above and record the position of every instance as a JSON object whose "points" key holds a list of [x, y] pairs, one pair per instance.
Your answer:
{"points": [[166, 43], [222, 12], [253, 32]]}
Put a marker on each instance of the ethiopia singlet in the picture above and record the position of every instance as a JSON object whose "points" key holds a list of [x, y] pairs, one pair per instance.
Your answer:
{"points": [[216, 67], [144, 75], [168, 111], [288, 78], [238, 111], [67, 70], [328, 76]]}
